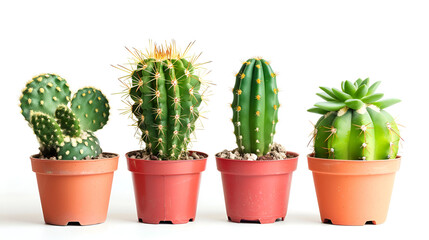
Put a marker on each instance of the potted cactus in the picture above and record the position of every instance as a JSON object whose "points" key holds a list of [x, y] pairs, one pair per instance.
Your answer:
{"points": [[73, 174], [355, 154], [257, 175], [166, 91]]}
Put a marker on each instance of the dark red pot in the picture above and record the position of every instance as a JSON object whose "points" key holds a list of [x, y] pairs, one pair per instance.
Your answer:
{"points": [[256, 191], [166, 191]]}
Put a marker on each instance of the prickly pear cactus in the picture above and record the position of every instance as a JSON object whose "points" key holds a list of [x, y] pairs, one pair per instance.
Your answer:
{"points": [[354, 125], [63, 132], [255, 107], [166, 93]]}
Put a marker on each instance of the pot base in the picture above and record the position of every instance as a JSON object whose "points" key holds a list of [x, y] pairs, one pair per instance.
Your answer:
{"points": [[354, 222], [256, 220], [163, 221]]}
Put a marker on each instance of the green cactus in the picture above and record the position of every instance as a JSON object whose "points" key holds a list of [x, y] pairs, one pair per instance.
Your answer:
{"points": [[255, 107], [165, 90], [44, 93], [355, 125], [62, 132]]}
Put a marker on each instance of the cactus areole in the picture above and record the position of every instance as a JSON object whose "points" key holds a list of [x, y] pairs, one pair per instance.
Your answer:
{"points": [[63, 132], [166, 91], [255, 107], [354, 125]]}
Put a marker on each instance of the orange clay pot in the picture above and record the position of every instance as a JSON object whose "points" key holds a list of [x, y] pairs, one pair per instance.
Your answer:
{"points": [[74, 191], [166, 191], [256, 191], [351, 192]]}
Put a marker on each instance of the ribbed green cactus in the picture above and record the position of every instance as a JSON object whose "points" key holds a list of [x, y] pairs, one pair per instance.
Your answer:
{"points": [[255, 107], [62, 132], [355, 125], [165, 90]]}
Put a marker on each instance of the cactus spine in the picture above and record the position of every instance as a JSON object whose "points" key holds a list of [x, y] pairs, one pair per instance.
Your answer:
{"points": [[165, 90], [63, 132], [354, 125], [255, 107]]}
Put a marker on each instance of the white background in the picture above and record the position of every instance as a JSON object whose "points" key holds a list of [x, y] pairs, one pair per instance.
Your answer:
{"points": [[309, 43]]}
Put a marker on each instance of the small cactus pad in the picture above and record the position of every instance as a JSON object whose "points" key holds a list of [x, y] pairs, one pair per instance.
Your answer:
{"points": [[354, 125], [166, 94], [48, 132], [78, 148], [68, 121], [91, 107], [255, 107], [43, 94]]}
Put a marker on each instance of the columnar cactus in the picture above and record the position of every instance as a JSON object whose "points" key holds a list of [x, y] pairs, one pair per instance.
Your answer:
{"points": [[165, 90], [354, 125], [255, 107], [62, 132]]}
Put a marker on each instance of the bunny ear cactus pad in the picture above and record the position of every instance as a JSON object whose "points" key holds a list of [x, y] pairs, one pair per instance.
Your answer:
{"points": [[77, 148], [355, 125], [255, 107], [48, 132], [91, 107], [62, 132], [44, 93], [166, 93]]}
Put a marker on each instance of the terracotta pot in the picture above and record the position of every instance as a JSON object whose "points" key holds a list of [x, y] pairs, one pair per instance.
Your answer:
{"points": [[256, 191], [166, 191], [75, 192], [353, 192]]}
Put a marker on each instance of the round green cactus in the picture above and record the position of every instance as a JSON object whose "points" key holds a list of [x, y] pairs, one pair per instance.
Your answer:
{"points": [[44, 93], [354, 125], [78, 148], [165, 90], [255, 107]]}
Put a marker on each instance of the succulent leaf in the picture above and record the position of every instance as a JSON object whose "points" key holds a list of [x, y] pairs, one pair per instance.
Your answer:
{"points": [[325, 97], [317, 110], [329, 92], [372, 98], [342, 96], [330, 106], [349, 88], [373, 88], [355, 104], [386, 103]]}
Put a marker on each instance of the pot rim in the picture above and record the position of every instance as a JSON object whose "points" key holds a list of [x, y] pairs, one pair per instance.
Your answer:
{"points": [[90, 160], [167, 167], [257, 167], [296, 155], [74, 167], [352, 167], [169, 160], [311, 155]]}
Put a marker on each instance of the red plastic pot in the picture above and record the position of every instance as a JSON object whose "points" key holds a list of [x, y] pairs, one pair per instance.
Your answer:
{"points": [[256, 191], [353, 192], [166, 191], [74, 191]]}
